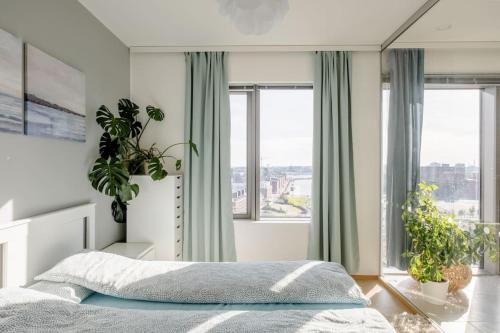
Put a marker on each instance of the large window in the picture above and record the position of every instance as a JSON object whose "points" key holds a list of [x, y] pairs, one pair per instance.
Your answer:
{"points": [[450, 152], [450, 155], [271, 146]]}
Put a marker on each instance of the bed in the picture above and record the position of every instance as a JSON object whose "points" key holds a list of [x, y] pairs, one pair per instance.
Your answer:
{"points": [[79, 289]]}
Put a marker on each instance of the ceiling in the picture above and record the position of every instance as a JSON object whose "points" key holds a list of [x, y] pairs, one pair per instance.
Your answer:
{"points": [[452, 21], [144, 23]]}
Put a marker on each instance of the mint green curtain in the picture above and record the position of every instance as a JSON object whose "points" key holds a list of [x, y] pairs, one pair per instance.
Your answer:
{"points": [[208, 218], [403, 145], [333, 232]]}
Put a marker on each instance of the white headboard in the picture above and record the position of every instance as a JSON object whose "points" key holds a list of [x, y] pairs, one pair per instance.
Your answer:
{"points": [[33, 245]]}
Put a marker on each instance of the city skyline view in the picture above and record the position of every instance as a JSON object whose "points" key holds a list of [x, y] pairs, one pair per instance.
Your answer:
{"points": [[286, 129]]}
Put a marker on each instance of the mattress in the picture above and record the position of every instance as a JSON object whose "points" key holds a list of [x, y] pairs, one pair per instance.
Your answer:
{"points": [[120, 303]]}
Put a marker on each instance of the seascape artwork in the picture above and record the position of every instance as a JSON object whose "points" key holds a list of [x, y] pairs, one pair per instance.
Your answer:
{"points": [[11, 83], [55, 98]]}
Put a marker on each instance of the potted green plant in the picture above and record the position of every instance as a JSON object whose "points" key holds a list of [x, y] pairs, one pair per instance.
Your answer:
{"points": [[121, 154], [481, 243], [439, 246], [435, 240]]}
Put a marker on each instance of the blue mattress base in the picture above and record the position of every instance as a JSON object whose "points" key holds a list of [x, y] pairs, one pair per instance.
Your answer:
{"points": [[113, 302]]}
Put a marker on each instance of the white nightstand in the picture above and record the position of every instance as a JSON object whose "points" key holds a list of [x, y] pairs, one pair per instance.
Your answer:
{"points": [[143, 251]]}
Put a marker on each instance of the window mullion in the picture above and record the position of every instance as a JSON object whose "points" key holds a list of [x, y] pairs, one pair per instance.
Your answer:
{"points": [[255, 158], [250, 155]]}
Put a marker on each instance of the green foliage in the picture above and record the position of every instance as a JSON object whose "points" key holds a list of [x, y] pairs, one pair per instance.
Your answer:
{"points": [[108, 147], [155, 169], [437, 241], [108, 176], [155, 113], [119, 127], [121, 154]]}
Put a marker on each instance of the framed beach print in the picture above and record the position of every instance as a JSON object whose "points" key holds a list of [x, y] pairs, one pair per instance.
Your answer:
{"points": [[11, 83], [54, 98]]}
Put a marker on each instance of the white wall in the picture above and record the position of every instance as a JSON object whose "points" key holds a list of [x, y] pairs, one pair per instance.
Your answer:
{"points": [[484, 61], [457, 61], [159, 79], [40, 175]]}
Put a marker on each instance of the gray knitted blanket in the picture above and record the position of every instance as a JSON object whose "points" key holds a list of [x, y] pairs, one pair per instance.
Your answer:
{"points": [[188, 282], [25, 310]]}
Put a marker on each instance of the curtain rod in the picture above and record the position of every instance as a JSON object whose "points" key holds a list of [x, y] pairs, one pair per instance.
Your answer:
{"points": [[458, 79]]}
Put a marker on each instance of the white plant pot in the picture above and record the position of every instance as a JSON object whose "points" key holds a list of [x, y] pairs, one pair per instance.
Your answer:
{"points": [[435, 292]]}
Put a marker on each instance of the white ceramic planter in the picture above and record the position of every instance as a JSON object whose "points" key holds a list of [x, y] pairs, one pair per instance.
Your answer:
{"points": [[435, 292]]}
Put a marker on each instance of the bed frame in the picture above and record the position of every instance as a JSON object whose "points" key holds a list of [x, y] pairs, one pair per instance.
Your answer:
{"points": [[30, 246]]}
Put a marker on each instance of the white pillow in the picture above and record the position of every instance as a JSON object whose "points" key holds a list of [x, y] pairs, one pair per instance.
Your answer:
{"points": [[69, 291]]}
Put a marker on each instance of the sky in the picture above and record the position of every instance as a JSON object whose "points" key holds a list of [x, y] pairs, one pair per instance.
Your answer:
{"points": [[450, 132], [450, 128], [286, 128]]}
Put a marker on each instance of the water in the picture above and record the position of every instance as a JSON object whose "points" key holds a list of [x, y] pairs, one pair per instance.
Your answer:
{"points": [[48, 122], [11, 114]]}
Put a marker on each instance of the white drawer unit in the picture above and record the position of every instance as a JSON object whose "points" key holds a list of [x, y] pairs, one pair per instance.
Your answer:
{"points": [[156, 216], [143, 251]]}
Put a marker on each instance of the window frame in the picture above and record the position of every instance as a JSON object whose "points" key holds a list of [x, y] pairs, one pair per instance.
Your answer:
{"points": [[444, 82], [253, 145]]}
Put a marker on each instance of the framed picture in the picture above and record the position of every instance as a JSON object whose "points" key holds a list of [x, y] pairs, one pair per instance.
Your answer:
{"points": [[11, 83], [54, 98]]}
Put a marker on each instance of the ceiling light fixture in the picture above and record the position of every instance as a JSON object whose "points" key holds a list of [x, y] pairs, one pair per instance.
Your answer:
{"points": [[254, 17]]}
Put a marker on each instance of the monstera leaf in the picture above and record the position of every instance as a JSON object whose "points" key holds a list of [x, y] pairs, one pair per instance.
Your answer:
{"points": [[155, 113], [155, 169], [127, 109], [111, 124], [119, 210], [108, 176], [178, 165], [108, 147], [128, 192], [135, 128]]}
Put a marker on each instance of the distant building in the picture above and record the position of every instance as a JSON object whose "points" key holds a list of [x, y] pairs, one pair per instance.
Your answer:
{"points": [[266, 190], [454, 182], [278, 184]]}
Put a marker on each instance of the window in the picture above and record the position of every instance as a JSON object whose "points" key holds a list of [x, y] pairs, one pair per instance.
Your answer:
{"points": [[271, 146], [450, 152], [239, 173]]}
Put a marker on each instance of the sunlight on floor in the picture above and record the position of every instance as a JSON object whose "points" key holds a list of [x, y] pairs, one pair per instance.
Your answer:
{"points": [[373, 291], [473, 309]]}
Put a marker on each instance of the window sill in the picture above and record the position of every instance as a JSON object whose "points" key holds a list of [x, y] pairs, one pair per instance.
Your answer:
{"points": [[274, 221]]}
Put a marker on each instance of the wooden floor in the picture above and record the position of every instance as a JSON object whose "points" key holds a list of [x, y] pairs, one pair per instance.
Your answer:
{"points": [[382, 299]]}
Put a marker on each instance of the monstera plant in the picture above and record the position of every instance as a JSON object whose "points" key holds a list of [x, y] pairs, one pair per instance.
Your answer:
{"points": [[121, 154]]}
